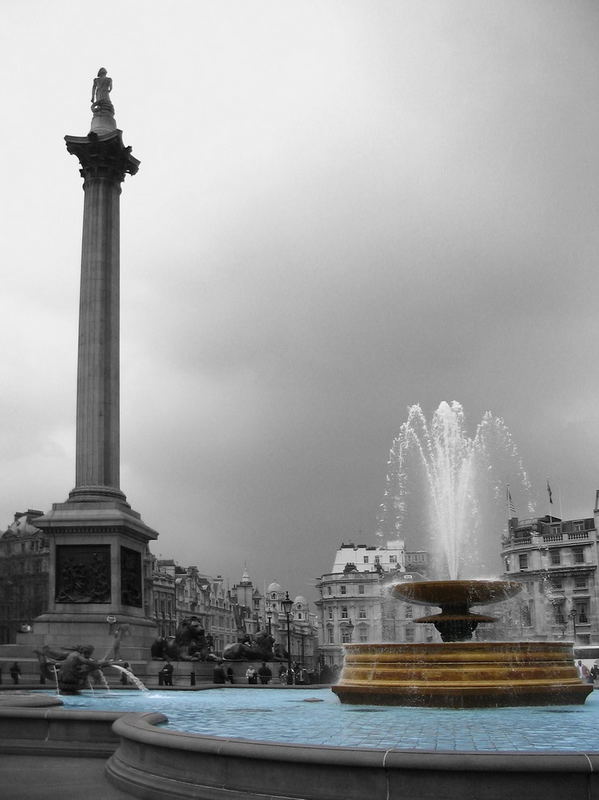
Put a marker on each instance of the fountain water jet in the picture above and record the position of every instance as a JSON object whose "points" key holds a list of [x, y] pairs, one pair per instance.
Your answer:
{"points": [[460, 481], [452, 486]]}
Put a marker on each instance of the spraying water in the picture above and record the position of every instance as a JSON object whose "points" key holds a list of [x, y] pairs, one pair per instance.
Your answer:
{"points": [[133, 678], [446, 491]]}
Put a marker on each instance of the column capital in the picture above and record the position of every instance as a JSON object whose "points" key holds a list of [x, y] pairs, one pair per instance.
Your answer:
{"points": [[103, 155]]}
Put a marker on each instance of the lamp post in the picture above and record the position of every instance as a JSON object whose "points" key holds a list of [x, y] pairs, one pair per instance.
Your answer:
{"points": [[269, 618], [287, 603], [572, 616], [350, 630]]}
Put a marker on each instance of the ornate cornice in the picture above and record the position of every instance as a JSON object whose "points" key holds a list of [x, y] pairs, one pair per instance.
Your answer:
{"points": [[103, 155]]}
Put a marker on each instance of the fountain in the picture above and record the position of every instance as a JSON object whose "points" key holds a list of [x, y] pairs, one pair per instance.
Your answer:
{"points": [[458, 673], [461, 480], [457, 759]]}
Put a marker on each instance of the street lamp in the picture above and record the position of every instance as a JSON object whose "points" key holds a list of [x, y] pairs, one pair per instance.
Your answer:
{"points": [[350, 630], [287, 604], [269, 618], [572, 616]]}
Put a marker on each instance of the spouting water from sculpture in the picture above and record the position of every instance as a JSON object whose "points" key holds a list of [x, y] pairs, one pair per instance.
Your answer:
{"points": [[461, 482], [75, 669]]}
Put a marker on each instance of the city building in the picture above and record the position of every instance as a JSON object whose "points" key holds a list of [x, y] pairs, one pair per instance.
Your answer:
{"points": [[355, 604], [193, 594], [24, 565], [556, 561], [248, 606], [300, 637]]}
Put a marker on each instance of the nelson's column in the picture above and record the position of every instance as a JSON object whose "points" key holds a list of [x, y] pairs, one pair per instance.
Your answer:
{"points": [[98, 543]]}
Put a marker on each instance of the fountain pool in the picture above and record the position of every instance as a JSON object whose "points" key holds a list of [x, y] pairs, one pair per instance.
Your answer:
{"points": [[292, 717]]}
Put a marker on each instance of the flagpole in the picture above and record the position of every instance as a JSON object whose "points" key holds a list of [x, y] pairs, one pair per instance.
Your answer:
{"points": [[550, 496]]}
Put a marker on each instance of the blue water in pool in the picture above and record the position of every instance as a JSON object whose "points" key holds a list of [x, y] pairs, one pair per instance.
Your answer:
{"points": [[279, 715]]}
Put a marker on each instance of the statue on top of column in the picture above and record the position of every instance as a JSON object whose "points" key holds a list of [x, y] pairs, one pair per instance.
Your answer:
{"points": [[101, 89], [103, 120]]}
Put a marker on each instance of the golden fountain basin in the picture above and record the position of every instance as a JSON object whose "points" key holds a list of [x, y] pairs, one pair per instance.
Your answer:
{"points": [[461, 675]]}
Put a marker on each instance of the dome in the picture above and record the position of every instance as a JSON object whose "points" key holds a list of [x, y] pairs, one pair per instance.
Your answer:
{"points": [[300, 600], [274, 587]]}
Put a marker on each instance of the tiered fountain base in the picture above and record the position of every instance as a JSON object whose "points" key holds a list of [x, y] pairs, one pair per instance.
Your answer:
{"points": [[461, 675]]}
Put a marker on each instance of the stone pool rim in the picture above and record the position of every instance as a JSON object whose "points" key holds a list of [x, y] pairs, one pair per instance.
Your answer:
{"points": [[151, 762]]}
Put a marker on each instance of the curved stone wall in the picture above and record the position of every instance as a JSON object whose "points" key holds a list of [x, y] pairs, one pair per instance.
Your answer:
{"points": [[151, 763]]}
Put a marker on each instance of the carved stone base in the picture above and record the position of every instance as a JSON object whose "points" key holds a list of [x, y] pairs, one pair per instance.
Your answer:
{"points": [[461, 675]]}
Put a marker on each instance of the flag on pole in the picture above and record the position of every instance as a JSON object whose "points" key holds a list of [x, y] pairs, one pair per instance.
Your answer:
{"points": [[549, 492], [510, 504]]}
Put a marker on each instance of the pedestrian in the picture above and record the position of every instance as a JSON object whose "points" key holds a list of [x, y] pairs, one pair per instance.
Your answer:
{"points": [[251, 675], [165, 676], [192, 678], [265, 673], [230, 675], [15, 672], [218, 673]]}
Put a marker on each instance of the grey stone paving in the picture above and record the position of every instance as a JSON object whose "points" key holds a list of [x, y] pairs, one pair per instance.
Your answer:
{"points": [[50, 777]]}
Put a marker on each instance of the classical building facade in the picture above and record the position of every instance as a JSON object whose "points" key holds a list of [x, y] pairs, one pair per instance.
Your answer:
{"points": [[355, 604], [300, 637], [181, 592], [248, 606], [24, 563], [556, 561]]}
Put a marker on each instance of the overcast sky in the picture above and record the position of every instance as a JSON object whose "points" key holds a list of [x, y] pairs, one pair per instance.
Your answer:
{"points": [[343, 208]]}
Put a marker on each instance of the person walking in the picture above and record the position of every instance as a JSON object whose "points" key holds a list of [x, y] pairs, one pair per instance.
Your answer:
{"points": [[265, 673], [218, 673], [251, 675], [15, 672]]}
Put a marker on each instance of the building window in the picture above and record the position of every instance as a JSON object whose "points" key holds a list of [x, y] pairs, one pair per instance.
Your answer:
{"points": [[377, 559], [523, 561], [344, 614], [361, 588], [345, 636], [363, 635], [393, 559], [581, 613], [328, 590], [557, 583], [578, 555], [344, 590], [409, 612], [409, 634], [579, 526], [362, 612], [330, 613], [580, 582], [556, 557], [366, 559], [331, 636], [558, 612]]}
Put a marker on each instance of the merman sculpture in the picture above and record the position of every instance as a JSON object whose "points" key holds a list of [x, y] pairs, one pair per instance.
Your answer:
{"points": [[458, 673], [73, 669]]}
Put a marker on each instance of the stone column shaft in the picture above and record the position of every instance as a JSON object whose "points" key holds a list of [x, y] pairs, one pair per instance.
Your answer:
{"points": [[104, 162], [98, 442]]}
